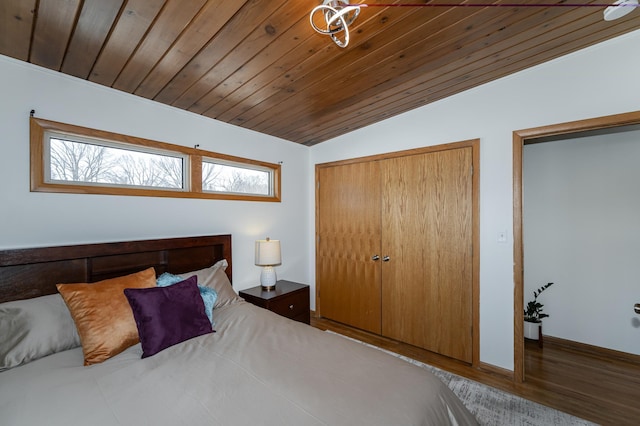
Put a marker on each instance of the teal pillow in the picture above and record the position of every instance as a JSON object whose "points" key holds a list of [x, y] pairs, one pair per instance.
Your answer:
{"points": [[167, 279], [209, 295]]}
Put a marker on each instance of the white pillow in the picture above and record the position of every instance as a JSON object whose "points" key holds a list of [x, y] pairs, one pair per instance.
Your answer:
{"points": [[35, 328]]}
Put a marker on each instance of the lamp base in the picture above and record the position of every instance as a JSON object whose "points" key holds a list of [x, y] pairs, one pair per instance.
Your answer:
{"points": [[268, 278]]}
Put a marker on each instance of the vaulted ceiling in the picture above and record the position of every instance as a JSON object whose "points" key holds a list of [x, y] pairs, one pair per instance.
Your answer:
{"points": [[259, 64]]}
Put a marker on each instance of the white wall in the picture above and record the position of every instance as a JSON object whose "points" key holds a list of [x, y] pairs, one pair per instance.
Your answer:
{"points": [[581, 231], [30, 219], [578, 86], [593, 82]]}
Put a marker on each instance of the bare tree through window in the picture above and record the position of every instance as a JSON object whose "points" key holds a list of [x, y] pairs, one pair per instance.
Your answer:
{"points": [[239, 180], [83, 162], [77, 162]]}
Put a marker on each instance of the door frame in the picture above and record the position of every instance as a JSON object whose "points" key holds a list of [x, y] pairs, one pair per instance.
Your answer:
{"points": [[474, 144], [525, 137]]}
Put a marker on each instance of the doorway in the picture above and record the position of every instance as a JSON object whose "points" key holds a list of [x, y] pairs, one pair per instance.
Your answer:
{"points": [[536, 135]]}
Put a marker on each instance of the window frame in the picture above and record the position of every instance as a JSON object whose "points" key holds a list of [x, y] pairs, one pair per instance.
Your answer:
{"points": [[39, 128]]}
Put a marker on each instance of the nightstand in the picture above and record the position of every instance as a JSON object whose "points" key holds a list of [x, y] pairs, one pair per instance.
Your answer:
{"points": [[289, 299]]}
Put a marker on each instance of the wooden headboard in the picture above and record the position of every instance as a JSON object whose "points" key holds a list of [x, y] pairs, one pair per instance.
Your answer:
{"points": [[33, 272]]}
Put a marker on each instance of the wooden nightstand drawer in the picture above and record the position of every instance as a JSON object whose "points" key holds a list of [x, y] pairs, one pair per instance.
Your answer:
{"points": [[291, 305], [289, 299]]}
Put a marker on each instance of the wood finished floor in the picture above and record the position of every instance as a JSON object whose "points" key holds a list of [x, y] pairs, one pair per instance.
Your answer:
{"points": [[603, 390]]}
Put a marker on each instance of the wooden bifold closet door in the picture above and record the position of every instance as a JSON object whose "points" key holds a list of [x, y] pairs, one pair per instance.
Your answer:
{"points": [[395, 248], [349, 235], [427, 234]]}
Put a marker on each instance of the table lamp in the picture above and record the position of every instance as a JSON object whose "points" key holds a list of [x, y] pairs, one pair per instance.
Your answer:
{"points": [[268, 255]]}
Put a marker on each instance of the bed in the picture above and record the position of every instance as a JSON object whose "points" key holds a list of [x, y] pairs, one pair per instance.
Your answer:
{"points": [[255, 368]]}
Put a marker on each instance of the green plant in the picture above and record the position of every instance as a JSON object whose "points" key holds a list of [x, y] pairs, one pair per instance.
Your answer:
{"points": [[533, 310]]}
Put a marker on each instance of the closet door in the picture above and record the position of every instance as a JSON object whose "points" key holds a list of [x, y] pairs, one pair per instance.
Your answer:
{"points": [[427, 234], [348, 232]]}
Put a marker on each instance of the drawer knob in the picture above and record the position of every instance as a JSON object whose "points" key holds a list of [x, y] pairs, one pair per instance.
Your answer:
{"points": [[291, 307]]}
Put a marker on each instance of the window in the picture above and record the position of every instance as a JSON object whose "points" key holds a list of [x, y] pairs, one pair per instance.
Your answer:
{"points": [[227, 177], [69, 160], [66, 158]]}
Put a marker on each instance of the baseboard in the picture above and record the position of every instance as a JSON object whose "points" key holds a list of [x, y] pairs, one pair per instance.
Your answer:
{"points": [[591, 349], [496, 371]]}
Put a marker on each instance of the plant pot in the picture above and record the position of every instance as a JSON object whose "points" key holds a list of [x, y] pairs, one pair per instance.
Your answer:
{"points": [[532, 330]]}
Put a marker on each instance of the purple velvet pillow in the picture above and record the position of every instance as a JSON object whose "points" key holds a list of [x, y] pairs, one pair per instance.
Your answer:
{"points": [[166, 316]]}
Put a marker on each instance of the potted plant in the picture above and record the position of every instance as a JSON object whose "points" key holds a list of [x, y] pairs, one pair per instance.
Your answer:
{"points": [[533, 314]]}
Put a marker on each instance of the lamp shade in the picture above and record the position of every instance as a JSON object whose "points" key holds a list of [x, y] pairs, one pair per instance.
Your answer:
{"points": [[268, 252]]}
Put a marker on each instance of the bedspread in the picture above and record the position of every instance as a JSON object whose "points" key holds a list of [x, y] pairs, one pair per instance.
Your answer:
{"points": [[257, 368]]}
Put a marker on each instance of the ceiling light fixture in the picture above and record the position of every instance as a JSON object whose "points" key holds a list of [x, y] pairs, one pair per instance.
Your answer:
{"points": [[333, 17], [338, 15], [619, 9]]}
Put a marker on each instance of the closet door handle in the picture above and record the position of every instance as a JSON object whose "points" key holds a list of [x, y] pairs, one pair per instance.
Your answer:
{"points": [[386, 259], [375, 257], [636, 308]]}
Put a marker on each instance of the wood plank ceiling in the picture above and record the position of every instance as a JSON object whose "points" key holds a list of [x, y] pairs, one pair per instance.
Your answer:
{"points": [[258, 63]]}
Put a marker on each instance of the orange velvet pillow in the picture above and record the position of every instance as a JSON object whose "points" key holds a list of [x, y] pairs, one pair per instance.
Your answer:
{"points": [[102, 314]]}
